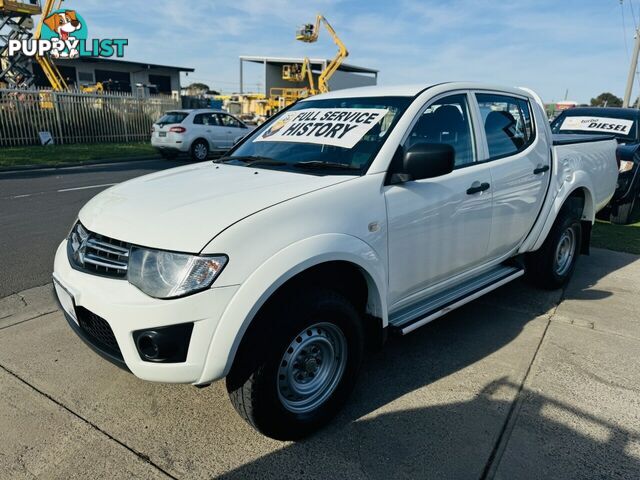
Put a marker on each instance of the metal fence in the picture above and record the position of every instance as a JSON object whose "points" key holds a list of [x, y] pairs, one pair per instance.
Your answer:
{"points": [[78, 117]]}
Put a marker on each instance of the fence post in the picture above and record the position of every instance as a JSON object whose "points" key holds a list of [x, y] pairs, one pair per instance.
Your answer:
{"points": [[125, 114], [56, 108]]}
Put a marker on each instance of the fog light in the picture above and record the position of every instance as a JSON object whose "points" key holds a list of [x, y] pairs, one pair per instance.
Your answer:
{"points": [[165, 344]]}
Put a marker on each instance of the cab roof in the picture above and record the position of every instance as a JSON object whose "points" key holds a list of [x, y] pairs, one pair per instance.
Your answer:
{"points": [[196, 110], [415, 89]]}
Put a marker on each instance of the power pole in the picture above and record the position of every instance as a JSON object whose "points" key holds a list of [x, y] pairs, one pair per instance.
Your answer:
{"points": [[632, 71]]}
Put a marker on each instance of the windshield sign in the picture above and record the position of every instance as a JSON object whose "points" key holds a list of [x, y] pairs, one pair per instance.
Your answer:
{"points": [[340, 127], [597, 125], [337, 136]]}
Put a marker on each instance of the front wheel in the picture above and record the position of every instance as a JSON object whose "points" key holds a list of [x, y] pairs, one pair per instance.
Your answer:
{"points": [[299, 365], [551, 267], [200, 150]]}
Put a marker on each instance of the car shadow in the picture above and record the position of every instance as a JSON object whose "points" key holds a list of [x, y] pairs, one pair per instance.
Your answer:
{"points": [[456, 440], [456, 434]]}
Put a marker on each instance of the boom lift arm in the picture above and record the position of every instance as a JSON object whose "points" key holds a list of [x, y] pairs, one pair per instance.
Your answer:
{"points": [[57, 81], [294, 73], [309, 34]]}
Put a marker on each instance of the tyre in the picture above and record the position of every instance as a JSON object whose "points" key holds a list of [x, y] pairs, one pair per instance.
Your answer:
{"points": [[553, 264], [169, 155], [298, 364], [200, 150], [624, 214]]}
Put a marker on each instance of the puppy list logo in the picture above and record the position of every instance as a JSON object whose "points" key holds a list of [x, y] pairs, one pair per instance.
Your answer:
{"points": [[64, 35]]}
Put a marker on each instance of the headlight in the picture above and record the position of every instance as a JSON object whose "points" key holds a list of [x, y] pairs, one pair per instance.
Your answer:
{"points": [[77, 237], [626, 166], [162, 274]]}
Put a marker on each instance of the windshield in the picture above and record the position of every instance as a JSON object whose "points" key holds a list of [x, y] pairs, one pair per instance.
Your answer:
{"points": [[172, 117], [579, 123], [323, 137]]}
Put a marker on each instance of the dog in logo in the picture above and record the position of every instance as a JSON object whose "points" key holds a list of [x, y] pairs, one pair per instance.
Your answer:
{"points": [[279, 125], [64, 24]]}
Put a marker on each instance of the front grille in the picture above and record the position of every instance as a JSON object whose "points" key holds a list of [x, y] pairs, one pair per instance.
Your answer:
{"points": [[98, 332], [98, 254]]}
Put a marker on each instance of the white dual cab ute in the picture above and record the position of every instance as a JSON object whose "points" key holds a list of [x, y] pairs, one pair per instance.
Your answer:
{"points": [[345, 217]]}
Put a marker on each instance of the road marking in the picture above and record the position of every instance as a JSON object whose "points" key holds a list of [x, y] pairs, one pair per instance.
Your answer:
{"points": [[63, 190], [86, 188]]}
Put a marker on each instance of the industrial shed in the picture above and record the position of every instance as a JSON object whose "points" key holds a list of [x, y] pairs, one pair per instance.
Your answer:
{"points": [[347, 76], [117, 75]]}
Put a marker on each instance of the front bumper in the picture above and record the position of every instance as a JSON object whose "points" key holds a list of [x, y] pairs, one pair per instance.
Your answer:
{"points": [[127, 310]]}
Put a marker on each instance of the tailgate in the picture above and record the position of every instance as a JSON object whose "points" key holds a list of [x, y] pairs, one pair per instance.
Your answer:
{"points": [[162, 132]]}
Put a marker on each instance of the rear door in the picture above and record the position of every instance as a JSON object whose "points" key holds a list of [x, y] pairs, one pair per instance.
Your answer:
{"points": [[207, 126], [519, 155], [439, 227]]}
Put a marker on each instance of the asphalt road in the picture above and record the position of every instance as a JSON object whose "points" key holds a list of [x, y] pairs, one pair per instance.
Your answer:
{"points": [[37, 209]]}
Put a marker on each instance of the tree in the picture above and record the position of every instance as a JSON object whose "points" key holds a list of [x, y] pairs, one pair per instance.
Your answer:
{"points": [[606, 99], [199, 87]]}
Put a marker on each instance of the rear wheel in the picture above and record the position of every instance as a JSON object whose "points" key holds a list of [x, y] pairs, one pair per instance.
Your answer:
{"points": [[298, 365], [200, 150], [624, 215], [551, 267]]}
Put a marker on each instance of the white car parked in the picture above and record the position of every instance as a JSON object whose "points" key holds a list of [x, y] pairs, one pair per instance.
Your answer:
{"points": [[196, 132], [346, 217]]}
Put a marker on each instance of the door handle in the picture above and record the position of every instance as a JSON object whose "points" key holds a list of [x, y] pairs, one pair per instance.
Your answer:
{"points": [[541, 169], [478, 187]]}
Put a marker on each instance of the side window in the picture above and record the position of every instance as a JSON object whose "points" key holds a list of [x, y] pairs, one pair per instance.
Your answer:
{"points": [[228, 120], [446, 121], [212, 119], [199, 119], [507, 122]]}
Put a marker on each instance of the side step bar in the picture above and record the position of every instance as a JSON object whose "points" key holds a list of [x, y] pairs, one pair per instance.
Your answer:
{"points": [[414, 316]]}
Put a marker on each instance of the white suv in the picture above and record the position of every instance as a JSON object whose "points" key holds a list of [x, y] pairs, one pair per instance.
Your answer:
{"points": [[197, 132]]}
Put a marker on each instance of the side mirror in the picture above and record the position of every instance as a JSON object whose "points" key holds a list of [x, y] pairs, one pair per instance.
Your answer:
{"points": [[425, 160]]}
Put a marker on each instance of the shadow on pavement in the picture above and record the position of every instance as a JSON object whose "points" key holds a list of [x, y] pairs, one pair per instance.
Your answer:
{"points": [[443, 441]]}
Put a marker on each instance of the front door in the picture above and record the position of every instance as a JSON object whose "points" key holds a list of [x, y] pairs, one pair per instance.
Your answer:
{"points": [[441, 226], [231, 128]]}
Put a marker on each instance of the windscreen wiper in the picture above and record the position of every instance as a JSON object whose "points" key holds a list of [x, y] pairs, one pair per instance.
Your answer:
{"points": [[319, 164], [251, 160]]}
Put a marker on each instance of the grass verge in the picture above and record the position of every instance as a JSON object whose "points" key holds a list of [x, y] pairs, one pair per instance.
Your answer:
{"points": [[622, 238], [67, 154]]}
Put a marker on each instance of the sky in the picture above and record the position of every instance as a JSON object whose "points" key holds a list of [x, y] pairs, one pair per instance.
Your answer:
{"points": [[549, 45]]}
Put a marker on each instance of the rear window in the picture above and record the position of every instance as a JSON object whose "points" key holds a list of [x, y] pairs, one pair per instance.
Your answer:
{"points": [[172, 117], [624, 128]]}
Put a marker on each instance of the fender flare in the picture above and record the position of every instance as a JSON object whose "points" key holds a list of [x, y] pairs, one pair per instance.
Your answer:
{"points": [[272, 274], [581, 181]]}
